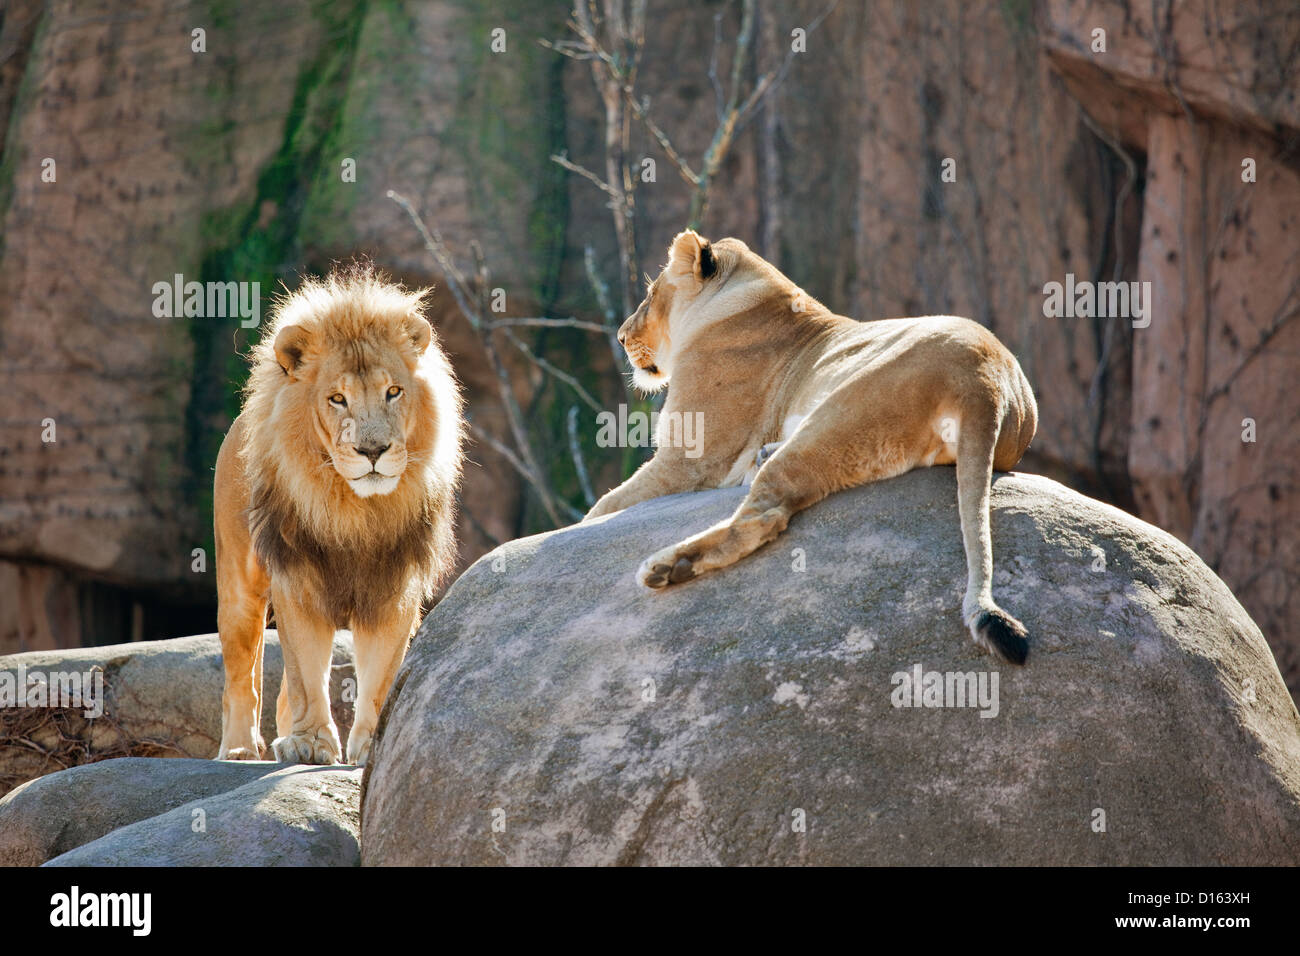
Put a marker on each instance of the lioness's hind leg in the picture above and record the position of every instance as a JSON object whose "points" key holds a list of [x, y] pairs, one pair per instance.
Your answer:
{"points": [[798, 474], [725, 543]]}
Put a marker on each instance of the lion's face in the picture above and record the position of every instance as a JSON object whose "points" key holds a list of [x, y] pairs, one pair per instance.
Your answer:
{"points": [[359, 397], [362, 417]]}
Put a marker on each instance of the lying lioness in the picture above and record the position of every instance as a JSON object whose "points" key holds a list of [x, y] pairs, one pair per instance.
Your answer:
{"points": [[848, 402]]}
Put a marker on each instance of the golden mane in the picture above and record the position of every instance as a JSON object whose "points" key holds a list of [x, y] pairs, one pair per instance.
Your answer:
{"points": [[303, 516]]}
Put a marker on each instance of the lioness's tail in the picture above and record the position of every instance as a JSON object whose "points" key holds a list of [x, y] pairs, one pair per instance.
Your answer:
{"points": [[999, 632], [992, 628]]}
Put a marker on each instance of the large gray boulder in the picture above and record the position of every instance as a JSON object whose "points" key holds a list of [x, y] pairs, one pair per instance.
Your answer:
{"points": [[290, 816], [161, 699], [551, 711]]}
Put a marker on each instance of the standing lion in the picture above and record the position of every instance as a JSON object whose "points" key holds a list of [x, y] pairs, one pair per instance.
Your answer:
{"points": [[334, 501]]}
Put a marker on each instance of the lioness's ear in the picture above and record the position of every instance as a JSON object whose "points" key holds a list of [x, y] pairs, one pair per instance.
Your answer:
{"points": [[419, 330], [291, 344], [691, 253]]}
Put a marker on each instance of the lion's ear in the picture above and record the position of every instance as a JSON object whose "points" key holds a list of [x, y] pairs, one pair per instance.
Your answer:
{"points": [[420, 332], [692, 254], [291, 345]]}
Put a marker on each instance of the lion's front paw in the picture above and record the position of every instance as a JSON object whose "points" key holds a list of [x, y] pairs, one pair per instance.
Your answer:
{"points": [[241, 746], [359, 745], [315, 747], [241, 753], [665, 568]]}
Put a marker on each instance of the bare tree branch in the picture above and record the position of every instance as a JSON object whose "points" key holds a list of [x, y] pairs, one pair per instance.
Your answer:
{"points": [[614, 66], [719, 97], [733, 110], [474, 306]]}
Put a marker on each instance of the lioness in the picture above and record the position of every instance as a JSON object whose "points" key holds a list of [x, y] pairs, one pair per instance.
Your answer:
{"points": [[848, 402], [334, 498]]}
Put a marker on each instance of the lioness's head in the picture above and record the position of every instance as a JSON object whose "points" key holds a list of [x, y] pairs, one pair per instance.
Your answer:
{"points": [[680, 301], [350, 350]]}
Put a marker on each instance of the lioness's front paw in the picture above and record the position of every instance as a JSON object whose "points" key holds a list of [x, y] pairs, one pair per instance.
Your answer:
{"points": [[665, 568], [316, 747]]}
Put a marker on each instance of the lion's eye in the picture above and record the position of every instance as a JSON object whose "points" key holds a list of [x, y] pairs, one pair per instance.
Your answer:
{"points": [[338, 399], [394, 391]]}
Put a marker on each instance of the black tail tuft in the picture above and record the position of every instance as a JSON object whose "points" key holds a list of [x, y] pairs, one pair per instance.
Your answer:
{"points": [[1002, 634]]}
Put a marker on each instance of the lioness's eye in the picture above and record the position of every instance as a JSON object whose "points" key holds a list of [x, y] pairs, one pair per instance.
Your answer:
{"points": [[394, 391], [338, 399]]}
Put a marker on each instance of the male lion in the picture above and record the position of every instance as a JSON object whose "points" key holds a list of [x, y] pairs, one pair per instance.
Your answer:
{"points": [[334, 499], [848, 402]]}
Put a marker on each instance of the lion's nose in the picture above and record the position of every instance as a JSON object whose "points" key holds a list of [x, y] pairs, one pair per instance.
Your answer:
{"points": [[373, 451], [622, 337]]}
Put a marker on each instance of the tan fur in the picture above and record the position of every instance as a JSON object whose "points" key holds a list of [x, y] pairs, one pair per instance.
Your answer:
{"points": [[834, 402], [315, 515]]}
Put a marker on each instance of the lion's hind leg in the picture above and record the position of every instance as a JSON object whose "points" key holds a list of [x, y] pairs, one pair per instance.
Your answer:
{"points": [[241, 626], [242, 587], [991, 627]]}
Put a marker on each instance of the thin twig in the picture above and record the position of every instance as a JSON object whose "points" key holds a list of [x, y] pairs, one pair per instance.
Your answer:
{"points": [[550, 367], [569, 323], [575, 451], [438, 249], [606, 307], [521, 468], [505, 452], [468, 515], [641, 112], [586, 174]]}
